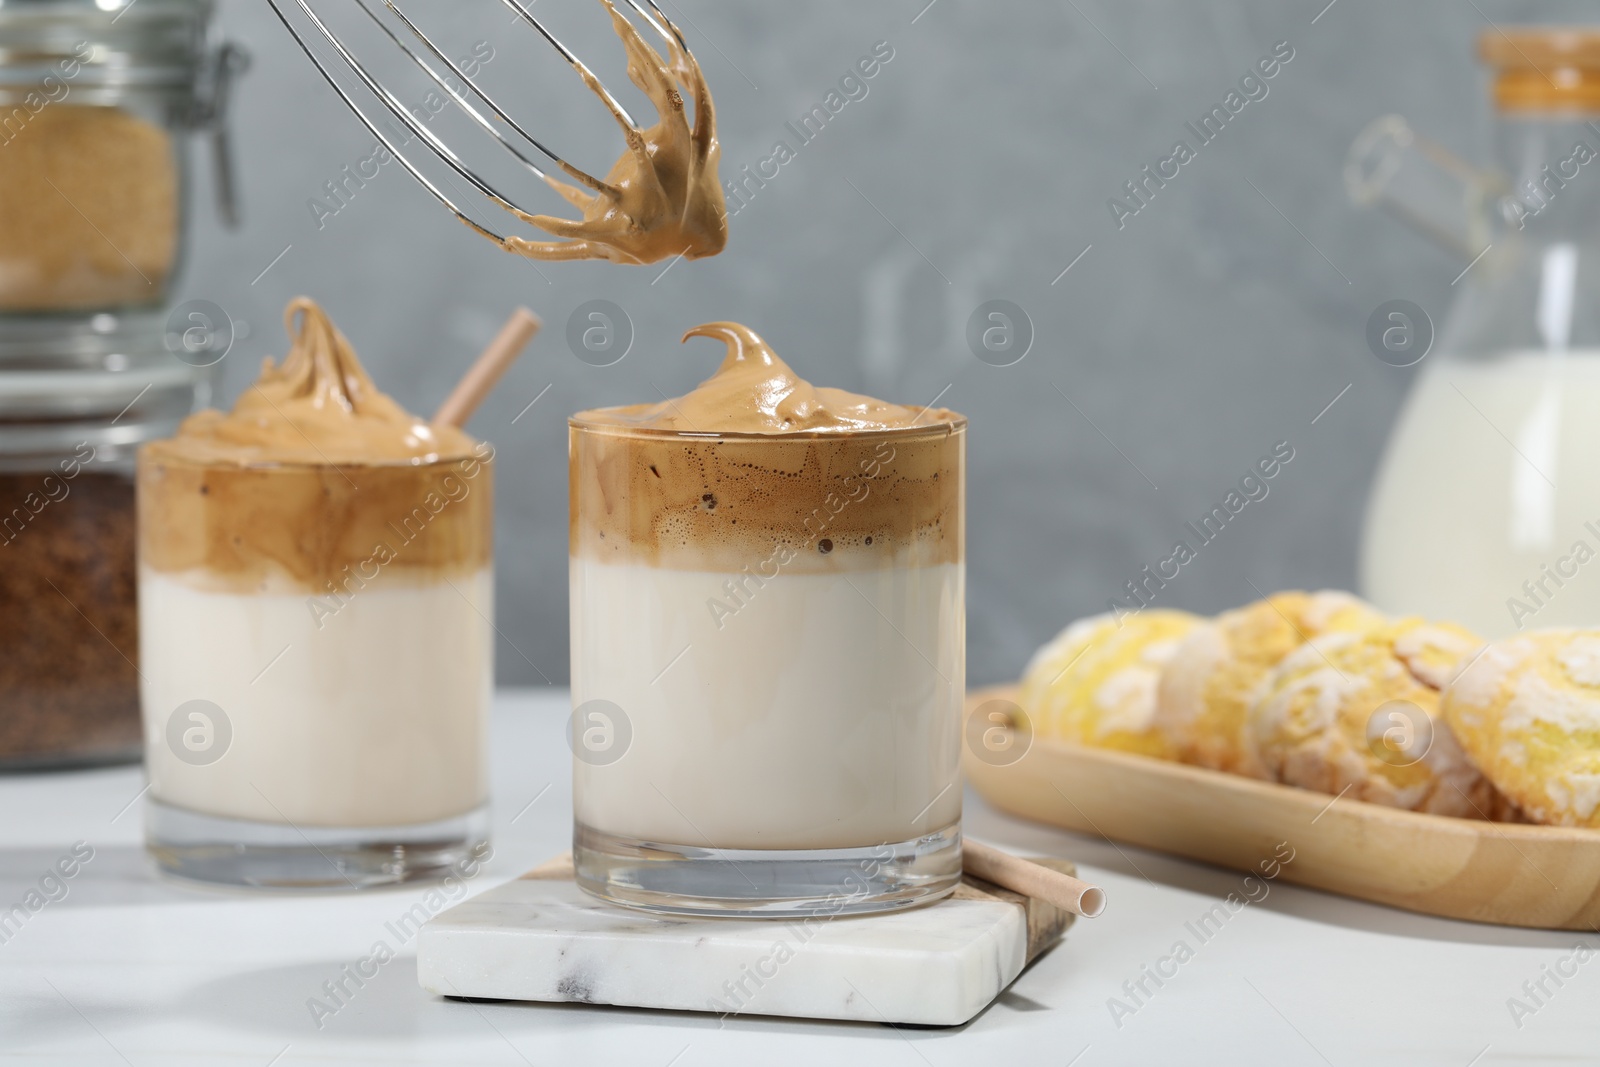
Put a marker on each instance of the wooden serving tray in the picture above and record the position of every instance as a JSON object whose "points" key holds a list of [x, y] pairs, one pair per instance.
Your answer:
{"points": [[1506, 873]]}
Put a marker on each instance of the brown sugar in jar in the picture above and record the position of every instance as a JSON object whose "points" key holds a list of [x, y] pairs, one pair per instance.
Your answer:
{"points": [[99, 101], [89, 213]]}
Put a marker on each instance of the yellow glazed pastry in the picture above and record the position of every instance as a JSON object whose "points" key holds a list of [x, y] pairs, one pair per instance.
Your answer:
{"points": [[1218, 671], [1528, 713], [1356, 712], [1095, 682]]}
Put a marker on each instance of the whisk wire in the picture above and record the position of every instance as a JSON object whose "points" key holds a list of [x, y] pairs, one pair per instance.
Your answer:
{"points": [[499, 112], [649, 10], [660, 23], [383, 138], [397, 108], [611, 102], [438, 79]]}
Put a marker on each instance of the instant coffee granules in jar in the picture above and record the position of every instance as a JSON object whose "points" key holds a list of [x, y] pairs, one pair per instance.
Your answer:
{"points": [[74, 407], [69, 692]]}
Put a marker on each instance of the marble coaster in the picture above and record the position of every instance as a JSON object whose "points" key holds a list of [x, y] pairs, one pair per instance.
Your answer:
{"points": [[542, 938]]}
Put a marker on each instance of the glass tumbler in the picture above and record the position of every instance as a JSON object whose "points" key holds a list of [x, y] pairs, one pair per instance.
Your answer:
{"points": [[768, 667], [316, 665]]}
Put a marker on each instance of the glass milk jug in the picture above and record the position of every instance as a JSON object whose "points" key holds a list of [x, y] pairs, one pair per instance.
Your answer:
{"points": [[1486, 507]]}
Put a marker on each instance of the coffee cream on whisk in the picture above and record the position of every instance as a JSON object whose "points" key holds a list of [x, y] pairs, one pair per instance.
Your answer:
{"points": [[662, 198]]}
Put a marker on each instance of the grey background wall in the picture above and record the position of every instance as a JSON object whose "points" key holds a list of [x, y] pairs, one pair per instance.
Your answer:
{"points": [[1215, 323]]}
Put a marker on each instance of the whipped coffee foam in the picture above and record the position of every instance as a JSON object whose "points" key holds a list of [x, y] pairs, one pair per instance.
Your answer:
{"points": [[311, 472], [317, 406], [755, 392], [756, 461]]}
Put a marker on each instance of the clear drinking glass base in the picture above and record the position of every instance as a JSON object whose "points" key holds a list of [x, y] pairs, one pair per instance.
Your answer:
{"points": [[242, 852], [767, 883]]}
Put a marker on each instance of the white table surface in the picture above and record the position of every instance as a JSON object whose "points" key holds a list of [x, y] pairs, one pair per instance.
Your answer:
{"points": [[130, 969]]}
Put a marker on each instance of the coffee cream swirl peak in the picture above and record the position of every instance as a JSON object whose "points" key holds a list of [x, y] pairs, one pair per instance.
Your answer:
{"points": [[757, 467], [755, 392], [317, 406], [315, 483]]}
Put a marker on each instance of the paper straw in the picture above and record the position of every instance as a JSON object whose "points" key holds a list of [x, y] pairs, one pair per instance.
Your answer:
{"points": [[485, 372], [1032, 880]]}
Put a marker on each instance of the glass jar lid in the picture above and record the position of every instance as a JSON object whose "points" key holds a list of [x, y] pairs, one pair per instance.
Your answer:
{"points": [[112, 385], [102, 46]]}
